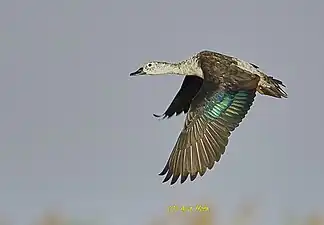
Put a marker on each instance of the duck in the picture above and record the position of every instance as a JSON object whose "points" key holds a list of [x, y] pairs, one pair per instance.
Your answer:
{"points": [[216, 94]]}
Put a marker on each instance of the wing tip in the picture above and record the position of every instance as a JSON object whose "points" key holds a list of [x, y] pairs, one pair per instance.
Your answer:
{"points": [[175, 178], [159, 116], [163, 116]]}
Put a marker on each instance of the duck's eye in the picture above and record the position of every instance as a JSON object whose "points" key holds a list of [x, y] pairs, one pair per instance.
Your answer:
{"points": [[149, 65]]}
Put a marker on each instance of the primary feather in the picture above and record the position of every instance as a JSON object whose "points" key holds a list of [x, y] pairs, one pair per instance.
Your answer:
{"points": [[205, 134]]}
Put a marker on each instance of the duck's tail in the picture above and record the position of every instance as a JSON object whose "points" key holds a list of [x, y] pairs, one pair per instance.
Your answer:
{"points": [[272, 87]]}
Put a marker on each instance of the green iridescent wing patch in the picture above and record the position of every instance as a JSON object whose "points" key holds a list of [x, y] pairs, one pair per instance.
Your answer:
{"points": [[229, 106]]}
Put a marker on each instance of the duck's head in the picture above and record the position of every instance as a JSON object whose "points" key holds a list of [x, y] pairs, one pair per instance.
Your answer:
{"points": [[153, 68]]}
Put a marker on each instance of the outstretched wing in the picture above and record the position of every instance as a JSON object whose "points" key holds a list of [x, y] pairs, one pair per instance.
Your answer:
{"points": [[181, 102], [209, 122]]}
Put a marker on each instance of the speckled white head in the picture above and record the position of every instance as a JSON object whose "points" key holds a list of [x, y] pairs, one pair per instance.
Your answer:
{"points": [[157, 68], [186, 68]]}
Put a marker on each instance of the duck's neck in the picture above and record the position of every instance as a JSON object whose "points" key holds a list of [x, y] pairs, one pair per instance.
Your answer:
{"points": [[188, 67]]}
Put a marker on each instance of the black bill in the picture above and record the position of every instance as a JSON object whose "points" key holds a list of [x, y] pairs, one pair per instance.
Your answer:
{"points": [[138, 72]]}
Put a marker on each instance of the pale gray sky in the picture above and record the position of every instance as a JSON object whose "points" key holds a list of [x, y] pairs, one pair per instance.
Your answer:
{"points": [[77, 133]]}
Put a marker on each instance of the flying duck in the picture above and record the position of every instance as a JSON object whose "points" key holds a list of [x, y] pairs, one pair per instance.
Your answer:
{"points": [[216, 94]]}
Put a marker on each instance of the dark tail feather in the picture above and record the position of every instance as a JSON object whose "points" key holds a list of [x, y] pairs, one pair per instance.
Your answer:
{"points": [[273, 88]]}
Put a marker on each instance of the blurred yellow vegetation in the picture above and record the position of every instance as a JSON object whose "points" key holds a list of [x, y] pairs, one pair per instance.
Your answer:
{"points": [[246, 215]]}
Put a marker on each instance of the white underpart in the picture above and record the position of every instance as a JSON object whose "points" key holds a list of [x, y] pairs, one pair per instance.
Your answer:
{"points": [[249, 68]]}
